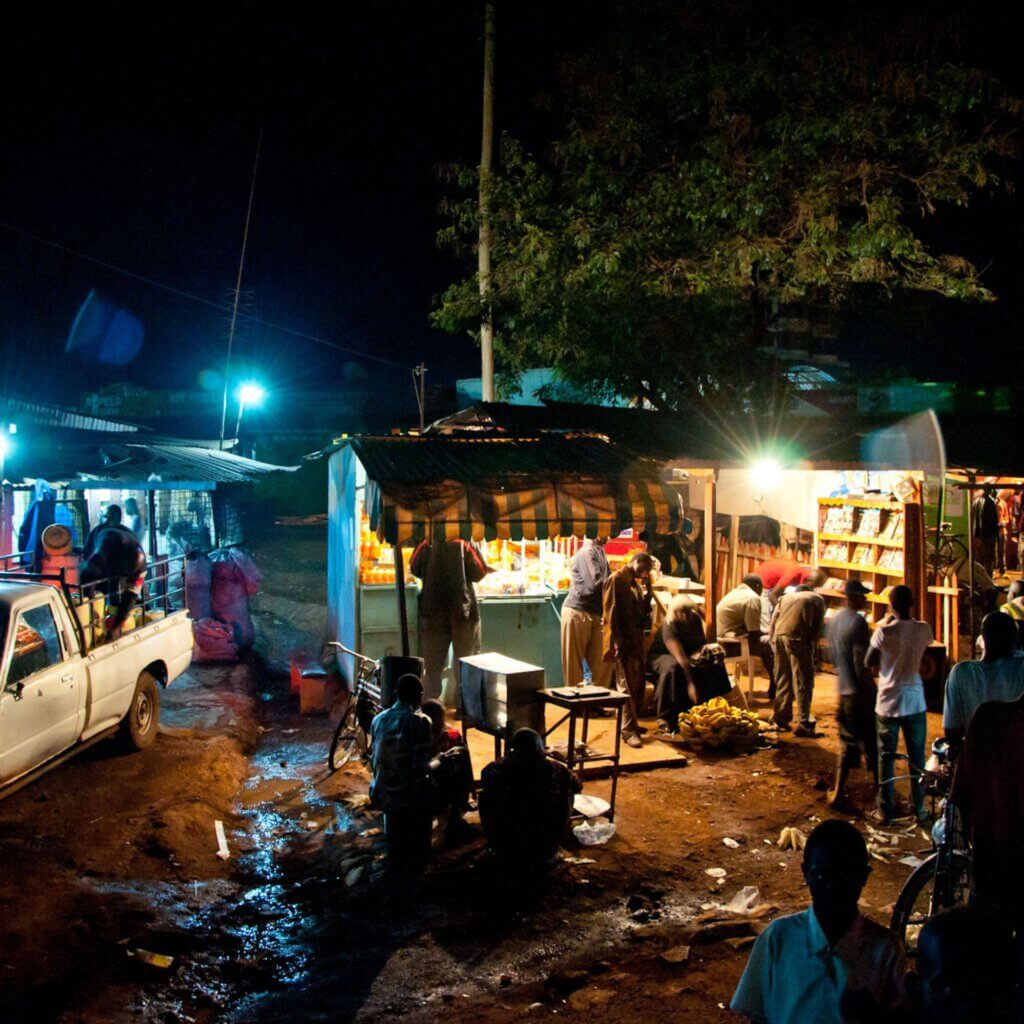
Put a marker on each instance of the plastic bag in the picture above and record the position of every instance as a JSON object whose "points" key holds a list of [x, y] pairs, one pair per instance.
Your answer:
{"points": [[213, 641], [594, 833], [235, 578], [198, 578]]}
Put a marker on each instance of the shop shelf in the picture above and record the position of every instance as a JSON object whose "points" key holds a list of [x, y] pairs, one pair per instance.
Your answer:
{"points": [[851, 538], [879, 570]]}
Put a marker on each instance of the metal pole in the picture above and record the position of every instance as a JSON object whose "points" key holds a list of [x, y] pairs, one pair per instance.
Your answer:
{"points": [[238, 423], [403, 614], [484, 245], [238, 290], [970, 556]]}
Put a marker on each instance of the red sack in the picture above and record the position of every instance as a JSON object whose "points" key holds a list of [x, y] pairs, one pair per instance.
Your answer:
{"points": [[213, 641], [235, 577]]}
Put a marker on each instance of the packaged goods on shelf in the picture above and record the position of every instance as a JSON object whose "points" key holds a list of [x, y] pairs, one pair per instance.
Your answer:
{"points": [[870, 523], [838, 520], [863, 554]]}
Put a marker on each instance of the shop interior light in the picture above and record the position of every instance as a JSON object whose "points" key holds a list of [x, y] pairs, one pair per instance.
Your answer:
{"points": [[765, 474]]}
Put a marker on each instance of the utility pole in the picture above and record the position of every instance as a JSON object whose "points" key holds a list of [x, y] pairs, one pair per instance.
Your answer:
{"points": [[419, 383], [484, 246], [238, 291]]}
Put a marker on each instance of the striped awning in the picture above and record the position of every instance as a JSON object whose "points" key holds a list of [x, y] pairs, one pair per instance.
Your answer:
{"points": [[488, 488], [589, 508]]}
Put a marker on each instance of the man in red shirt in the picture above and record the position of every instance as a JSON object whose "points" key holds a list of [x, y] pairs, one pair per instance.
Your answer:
{"points": [[778, 574]]}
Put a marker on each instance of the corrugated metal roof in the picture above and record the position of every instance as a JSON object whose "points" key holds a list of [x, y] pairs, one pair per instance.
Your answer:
{"points": [[131, 463], [413, 459], [37, 414]]}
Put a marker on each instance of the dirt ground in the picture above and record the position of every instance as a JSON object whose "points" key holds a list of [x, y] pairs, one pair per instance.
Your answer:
{"points": [[108, 855]]}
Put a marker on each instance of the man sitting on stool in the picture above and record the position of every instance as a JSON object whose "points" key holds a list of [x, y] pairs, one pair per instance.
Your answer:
{"points": [[525, 801], [401, 786], [739, 615]]}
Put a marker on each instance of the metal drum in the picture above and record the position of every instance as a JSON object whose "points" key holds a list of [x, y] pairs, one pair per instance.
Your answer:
{"points": [[392, 668]]}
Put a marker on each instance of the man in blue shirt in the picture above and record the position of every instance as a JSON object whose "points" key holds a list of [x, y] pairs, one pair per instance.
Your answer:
{"points": [[402, 744], [827, 964], [999, 675], [581, 617]]}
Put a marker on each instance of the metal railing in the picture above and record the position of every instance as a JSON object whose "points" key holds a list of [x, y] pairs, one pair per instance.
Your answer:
{"points": [[163, 592]]}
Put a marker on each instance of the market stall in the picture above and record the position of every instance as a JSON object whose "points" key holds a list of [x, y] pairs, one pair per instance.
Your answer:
{"points": [[526, 502]]}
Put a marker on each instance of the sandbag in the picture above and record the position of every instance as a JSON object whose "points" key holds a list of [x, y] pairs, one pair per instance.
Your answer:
{"points": [[213, 641], [235, 578], [198, 579]]}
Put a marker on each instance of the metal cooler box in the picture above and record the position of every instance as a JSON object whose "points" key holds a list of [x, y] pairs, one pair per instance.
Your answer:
{"points": [[498, 695]]}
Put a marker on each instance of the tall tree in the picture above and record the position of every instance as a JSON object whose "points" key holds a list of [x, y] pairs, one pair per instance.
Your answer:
{"points": [[725, 170]]}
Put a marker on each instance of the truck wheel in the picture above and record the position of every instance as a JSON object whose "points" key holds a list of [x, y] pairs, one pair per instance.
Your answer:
{"points": [[139, 726]]}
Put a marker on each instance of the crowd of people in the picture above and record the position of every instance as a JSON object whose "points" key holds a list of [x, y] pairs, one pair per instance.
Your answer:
{"points": [[828, 962]]}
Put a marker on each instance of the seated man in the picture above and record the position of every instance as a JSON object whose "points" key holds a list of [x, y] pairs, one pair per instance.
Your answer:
{"points": [[827, 964], [116, 565], [965, 967], [525, 801], [682, 677], [988, 791], [450, 769], [740, 614], [401, 786], [999, 675]]}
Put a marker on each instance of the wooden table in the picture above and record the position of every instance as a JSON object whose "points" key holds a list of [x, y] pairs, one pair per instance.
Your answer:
{"points": [[579, 709]]}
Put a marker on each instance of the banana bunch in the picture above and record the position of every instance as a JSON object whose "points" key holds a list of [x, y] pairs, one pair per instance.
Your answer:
{"points": [[719, 724]]}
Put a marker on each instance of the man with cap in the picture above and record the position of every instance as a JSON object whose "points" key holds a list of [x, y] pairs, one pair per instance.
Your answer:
{"points": [[682, 677], [794, 633], [849, 637]]}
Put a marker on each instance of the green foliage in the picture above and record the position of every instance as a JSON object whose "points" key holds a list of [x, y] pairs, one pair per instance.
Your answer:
{"points": [[720, 171]]}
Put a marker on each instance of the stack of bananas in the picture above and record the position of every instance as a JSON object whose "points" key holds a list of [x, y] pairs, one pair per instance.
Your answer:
{"points": [[719, 724]]}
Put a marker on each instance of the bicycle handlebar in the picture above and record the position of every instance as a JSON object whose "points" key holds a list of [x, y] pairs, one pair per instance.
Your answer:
{"points": [[354, 654]]}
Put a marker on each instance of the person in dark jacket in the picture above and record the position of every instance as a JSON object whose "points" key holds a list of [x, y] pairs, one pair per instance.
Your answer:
{"points": [[627, 617], [682, 676], [448, 613], [525, 801], [116, 565]]}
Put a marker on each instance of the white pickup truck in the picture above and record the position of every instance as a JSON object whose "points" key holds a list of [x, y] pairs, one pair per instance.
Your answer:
{"points": [[60, 695]]}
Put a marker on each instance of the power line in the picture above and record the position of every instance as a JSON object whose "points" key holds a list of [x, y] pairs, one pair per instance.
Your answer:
{"points": [[223, 307]]}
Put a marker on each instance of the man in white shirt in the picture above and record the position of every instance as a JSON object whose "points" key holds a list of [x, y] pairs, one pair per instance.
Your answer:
{"points": [[828, 964], [740, 613], [897, 647], [999, 675]]}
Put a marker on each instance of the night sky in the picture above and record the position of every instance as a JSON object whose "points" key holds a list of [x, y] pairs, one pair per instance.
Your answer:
{"points": [[131, 138]]}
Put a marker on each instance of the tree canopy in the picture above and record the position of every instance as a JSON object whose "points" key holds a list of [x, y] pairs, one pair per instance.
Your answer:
{"points": [[722, 172]]}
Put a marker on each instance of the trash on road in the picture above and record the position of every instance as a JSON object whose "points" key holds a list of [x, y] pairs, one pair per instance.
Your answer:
{"points": [[715, 872], [590, 806], [791, 838], [222, 840], [594, 833], [151, 958], [730, 842], [676, 955]]}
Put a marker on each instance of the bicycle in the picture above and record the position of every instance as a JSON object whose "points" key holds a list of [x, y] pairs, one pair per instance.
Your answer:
{"points": [[943, 879], [946, 550], [352, 736]]}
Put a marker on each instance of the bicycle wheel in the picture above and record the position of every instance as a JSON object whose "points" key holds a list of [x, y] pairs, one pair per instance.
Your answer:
{"points": [[921, 897], [951, 553], [349, 740]]}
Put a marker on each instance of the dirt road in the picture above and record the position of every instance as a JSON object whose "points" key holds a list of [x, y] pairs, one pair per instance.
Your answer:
{"points": [[110, 854]]}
